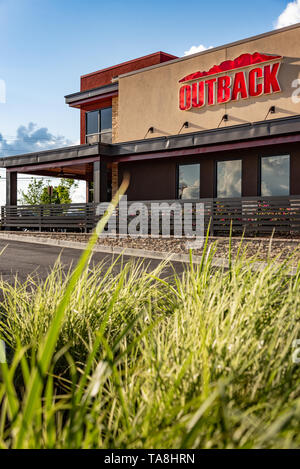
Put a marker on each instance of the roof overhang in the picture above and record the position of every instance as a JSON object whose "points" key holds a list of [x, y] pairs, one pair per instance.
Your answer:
{"points": [[89, 96], [51, 156]]}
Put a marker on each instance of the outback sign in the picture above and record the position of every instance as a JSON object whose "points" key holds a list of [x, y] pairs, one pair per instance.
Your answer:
{"points": [[247, 76]]}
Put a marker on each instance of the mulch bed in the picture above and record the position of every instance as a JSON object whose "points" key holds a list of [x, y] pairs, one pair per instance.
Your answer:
{"points": [[262, 248]]}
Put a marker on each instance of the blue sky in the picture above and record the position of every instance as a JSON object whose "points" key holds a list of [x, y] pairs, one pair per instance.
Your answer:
{"points": [[45, 45]]}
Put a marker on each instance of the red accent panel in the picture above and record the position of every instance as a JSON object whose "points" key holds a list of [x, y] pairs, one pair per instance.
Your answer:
{"points": [[104, 76], [243, 60], [210, 91], [185, 95], [198, 94], [239, 86], [271, 79], [255, 89], [224, 90]]}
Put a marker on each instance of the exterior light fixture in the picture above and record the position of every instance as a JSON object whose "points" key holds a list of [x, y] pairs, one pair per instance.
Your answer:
{"points": [[225, 118], [149, 131], [185, 125], [272, 110]]}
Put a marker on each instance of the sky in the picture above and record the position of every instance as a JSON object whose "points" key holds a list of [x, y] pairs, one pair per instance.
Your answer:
{"points": [[45, 45]]}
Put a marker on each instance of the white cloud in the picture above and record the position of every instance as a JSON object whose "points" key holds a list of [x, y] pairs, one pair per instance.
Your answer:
{"points": [[29, 139], [195, 49], [290, 15]]}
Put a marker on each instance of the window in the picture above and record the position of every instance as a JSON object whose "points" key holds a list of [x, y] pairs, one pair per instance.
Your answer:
{"points": [[189, 181], [275, 175], [99, 126], [92, 122], [229, 178]]}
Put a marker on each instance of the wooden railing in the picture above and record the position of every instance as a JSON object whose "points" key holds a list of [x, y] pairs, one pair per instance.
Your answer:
{"points": [[252, 215], [80, 217]]}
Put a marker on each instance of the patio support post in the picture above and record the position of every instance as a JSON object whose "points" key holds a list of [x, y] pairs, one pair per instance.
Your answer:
{"points": [[11, 188], [89, 192], [100, 182]]}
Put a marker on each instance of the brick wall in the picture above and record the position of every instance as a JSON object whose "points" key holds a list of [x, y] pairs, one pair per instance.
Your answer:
{"points": [[104, 76]]}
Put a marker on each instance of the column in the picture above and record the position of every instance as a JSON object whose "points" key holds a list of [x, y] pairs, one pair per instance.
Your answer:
{"points": [[89, 192], [114, 178], [100, 182], [11, 188]]}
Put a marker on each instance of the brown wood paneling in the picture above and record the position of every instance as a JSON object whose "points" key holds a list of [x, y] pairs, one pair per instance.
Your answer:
{"points": [[149, 180]]}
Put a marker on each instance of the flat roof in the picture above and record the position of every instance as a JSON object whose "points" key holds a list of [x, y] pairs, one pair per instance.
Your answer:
{"points": [[58, 154], [209, 51], [99, 91]]}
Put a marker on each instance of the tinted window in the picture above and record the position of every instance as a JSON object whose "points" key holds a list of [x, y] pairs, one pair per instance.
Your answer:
{"points": [[189, 181], [106, 119], [92, 122], [275, 175], [229, 178]]}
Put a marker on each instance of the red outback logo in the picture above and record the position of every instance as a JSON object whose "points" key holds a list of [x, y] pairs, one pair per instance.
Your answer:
{"points": [[222, 87]]}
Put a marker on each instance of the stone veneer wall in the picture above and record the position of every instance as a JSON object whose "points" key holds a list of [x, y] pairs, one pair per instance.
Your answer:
{"points": [[114, 178], [115, 108]]}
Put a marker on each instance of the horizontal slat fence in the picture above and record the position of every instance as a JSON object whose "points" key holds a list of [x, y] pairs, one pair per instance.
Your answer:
{"points": [[252, 215]]}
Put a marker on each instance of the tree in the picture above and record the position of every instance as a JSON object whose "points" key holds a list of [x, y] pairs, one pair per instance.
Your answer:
{"points": [[34, 192], [38, 193]]}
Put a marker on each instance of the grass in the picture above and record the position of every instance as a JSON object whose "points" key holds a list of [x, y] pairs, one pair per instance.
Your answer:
{"points": [[120, 358]]}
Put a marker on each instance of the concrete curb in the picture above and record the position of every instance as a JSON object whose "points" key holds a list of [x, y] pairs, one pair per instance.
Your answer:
{"points": [[107, 249], [132, 252]]}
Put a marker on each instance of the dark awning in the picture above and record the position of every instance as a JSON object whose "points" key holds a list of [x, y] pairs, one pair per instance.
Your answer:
{"points": [[105, 91]]}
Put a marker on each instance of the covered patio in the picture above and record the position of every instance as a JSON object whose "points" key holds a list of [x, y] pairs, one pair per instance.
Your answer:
{"points": [[82, 163]]}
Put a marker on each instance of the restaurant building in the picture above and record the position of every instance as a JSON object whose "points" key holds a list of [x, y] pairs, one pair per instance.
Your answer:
{"points": [[219, 124]]}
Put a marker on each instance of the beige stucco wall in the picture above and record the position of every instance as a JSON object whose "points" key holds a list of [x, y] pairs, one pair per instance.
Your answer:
{"points": [[150, 98]]}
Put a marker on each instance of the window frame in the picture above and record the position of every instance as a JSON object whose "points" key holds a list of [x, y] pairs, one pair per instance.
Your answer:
{"points": [[259, 179], [177, 178], [100, 132]]}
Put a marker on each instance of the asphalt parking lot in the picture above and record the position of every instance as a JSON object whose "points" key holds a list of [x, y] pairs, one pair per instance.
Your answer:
{"points": [[23, 259]]}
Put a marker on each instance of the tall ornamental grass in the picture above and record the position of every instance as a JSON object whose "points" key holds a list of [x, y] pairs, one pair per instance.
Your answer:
{"points": [[121, 357]]}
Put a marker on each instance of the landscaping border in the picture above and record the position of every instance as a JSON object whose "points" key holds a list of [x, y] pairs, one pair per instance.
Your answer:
{"points": [[131, 252]]}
